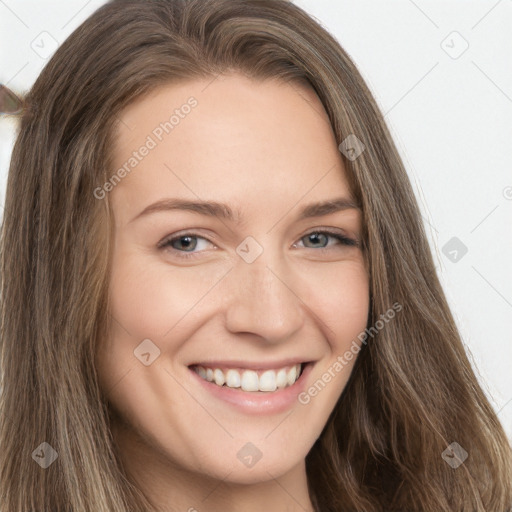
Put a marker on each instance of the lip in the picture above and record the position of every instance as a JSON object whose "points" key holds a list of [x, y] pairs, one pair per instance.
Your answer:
{"points": [[257, 402], [248, 365]]}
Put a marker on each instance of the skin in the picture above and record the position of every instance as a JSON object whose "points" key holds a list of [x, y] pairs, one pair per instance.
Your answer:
{"points": [[267, 149]]}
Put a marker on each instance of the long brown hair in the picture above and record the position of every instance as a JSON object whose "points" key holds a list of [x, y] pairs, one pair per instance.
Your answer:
{"points": [[412, 391]]}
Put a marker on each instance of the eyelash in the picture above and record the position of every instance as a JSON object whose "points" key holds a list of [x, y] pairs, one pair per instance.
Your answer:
{"points": [[166, 244]]}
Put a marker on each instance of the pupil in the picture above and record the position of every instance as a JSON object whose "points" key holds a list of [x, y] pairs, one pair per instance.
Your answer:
{"points": [[187, 241], [316, 236]]}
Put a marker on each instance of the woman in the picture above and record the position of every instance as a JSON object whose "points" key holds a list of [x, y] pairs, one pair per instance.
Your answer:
{"points": [[257, 370]]}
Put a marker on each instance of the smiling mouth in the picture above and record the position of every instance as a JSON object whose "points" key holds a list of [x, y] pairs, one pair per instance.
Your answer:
{"points": [[251, 380]]}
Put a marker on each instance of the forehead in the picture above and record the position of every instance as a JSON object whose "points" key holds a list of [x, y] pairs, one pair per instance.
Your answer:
{"points": [[232, 139]]}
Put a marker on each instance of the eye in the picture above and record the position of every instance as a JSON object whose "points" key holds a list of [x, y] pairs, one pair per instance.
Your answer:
{"points": [[323, 236], [184, 245]]}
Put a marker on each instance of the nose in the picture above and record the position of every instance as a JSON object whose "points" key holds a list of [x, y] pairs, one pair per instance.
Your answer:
{"points": [[262, 300]]}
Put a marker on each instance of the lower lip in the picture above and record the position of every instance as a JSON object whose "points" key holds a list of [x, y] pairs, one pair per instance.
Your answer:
{"points": [[258, 402]]}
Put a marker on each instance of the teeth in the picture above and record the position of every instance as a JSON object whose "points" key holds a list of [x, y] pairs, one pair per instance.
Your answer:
{"points": [[232, 379], [218, 377], [268, 381], [250, 380], [281, 379], [292, 375]]}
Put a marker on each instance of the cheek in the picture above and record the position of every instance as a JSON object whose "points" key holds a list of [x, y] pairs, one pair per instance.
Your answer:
{"points": [[340, 297], [341, 302], [149, 297]]}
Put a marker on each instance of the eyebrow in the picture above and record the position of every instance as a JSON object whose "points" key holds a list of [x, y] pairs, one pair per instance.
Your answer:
{"points": [[223, 211]]}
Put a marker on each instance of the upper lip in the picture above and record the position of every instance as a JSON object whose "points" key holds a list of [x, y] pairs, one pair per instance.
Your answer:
{"points": [[252, 365]]}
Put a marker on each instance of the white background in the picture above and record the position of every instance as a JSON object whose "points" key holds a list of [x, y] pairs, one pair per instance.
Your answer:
{"points": [[451, 119]]}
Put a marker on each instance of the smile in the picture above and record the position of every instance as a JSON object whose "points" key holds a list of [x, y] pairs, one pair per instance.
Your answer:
{"points": [[256, 388], [251, 380]]}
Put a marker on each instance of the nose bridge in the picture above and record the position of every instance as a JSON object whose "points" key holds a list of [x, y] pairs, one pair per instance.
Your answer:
{"points": [[261, 299]]}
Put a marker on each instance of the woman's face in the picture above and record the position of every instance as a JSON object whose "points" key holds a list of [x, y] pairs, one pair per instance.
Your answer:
{"points": [[249, 285]]}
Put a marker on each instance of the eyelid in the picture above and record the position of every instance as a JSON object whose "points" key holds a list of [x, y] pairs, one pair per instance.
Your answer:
{"points": [[333, 232]]}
